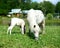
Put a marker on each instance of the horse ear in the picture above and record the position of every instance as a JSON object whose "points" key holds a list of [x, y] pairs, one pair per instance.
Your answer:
{"points": [[34, 26]]}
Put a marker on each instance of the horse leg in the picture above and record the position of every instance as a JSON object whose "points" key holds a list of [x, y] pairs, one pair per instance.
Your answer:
{"points": [[22, 28], [43, 27], [10, 29]]}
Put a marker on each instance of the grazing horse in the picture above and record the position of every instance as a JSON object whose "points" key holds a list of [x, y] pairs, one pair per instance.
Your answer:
{"points": [[16, 21], [36, 22]]}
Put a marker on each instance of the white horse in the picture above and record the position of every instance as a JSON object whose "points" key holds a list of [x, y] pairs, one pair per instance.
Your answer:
{"points": [[16, 21], [36, 21]]}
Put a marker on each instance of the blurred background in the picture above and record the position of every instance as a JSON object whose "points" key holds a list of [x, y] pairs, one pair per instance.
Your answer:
{"points": [[19, 8]]}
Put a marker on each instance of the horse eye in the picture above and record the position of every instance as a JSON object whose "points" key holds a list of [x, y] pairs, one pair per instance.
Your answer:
{"points": [[34, 26]]}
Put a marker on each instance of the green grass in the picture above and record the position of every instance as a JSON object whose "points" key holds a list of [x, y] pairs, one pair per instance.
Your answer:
{"points": [[16, 40]]}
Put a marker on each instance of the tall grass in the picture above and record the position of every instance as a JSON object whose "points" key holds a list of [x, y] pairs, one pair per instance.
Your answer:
{"points": [[53, 22], [6, 20]]}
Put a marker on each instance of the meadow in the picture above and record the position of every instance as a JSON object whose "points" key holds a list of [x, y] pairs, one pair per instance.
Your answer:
{"points": [[16, 40], [51, 38]]}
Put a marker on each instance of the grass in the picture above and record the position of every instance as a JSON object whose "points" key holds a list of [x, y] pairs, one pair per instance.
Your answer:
{"points": [[16, 40], [53, 22]]}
